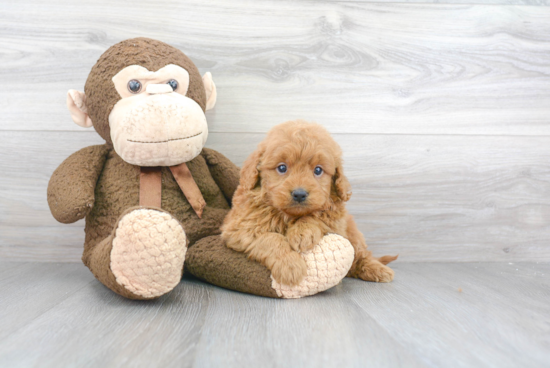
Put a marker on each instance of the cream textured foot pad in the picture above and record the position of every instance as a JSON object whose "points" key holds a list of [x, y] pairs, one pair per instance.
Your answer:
{"points": [[148, 252], [327, 264]]}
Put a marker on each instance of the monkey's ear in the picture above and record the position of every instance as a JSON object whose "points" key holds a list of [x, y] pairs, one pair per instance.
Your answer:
{"points": [[76, 102], [210, 89]]}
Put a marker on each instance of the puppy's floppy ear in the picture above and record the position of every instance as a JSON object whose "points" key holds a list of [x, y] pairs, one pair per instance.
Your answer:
{"points": [[250, 174], [340, 185]]}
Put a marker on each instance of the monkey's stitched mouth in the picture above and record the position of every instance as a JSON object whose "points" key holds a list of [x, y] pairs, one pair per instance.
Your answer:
{"points": [[168, 140]]}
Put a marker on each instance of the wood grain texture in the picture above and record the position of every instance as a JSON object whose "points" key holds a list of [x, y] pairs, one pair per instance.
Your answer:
{"points": [[41, 286], [427, 198], [267, 332], [434, 306], [432, 315], [467, 2], [443, 110], [352, 66]]}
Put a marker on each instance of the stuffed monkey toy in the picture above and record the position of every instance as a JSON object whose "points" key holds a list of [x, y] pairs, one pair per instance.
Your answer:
{"points": [[153, 196]]}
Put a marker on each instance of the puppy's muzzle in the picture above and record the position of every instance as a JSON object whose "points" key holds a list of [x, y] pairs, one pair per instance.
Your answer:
{"points": [[299, 195]]}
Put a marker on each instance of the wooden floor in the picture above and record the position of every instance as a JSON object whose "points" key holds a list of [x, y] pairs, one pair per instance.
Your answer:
{"points": [[432, 315]]}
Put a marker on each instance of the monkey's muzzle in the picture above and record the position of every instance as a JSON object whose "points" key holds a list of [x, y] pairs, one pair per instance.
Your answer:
{"points": [[163, 129]]}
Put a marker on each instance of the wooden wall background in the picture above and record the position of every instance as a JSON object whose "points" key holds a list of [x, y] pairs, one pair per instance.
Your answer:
{"points": [[442, 109]]}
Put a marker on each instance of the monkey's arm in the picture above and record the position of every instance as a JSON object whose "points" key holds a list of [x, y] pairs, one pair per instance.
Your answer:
{"points": [[225, 173], [72, 185]]}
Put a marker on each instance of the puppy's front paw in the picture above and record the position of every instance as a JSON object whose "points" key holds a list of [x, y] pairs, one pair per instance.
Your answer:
{"points": [[303, 239], [290, 270]]}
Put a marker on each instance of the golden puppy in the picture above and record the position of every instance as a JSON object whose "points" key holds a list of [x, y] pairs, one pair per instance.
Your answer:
{"points": [[292, 192]]}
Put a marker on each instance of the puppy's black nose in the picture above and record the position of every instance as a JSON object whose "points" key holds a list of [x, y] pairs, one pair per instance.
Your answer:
{"points": [[299, 195]]}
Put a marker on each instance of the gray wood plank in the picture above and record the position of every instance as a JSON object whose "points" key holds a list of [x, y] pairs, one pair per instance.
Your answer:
{"points": [[428, 198], [56, 243], [493, 315], [99, 328], [6, 266], [499, 318], [355, 67], [467, 2], [322, 331], [30, 289]]}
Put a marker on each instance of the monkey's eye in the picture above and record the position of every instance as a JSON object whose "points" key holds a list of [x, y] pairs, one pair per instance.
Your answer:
{"points": [[173, 83], [281, 169], [318, 171], [134, 86]]}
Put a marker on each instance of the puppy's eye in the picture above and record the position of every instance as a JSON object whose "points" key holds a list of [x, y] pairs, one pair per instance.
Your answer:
{"points": [[173, 83], [281, 169], [134, 86], [318, 171]]}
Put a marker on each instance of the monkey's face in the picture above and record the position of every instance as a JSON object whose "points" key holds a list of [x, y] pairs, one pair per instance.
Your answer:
{"points": [[154, 123], [147, 99]]}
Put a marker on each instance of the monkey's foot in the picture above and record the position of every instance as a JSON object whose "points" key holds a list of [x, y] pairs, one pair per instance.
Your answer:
{"points": [[148, 252], [327, 264]]}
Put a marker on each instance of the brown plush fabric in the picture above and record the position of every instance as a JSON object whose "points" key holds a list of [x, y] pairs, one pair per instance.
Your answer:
{"points": [[116, 186], [118, 189], [100, 91], [210, 260], [224, 172], [71, 192], [99, 261]]}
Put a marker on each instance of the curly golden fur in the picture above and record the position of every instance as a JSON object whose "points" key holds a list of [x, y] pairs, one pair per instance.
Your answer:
{"points": [[280, 211]]}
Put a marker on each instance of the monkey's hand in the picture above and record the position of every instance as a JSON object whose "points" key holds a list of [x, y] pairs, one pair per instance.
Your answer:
{"points": [[71, 190]]}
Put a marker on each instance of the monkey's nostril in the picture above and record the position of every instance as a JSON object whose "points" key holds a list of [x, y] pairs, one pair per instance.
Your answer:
{"points": [[299, 195]]}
